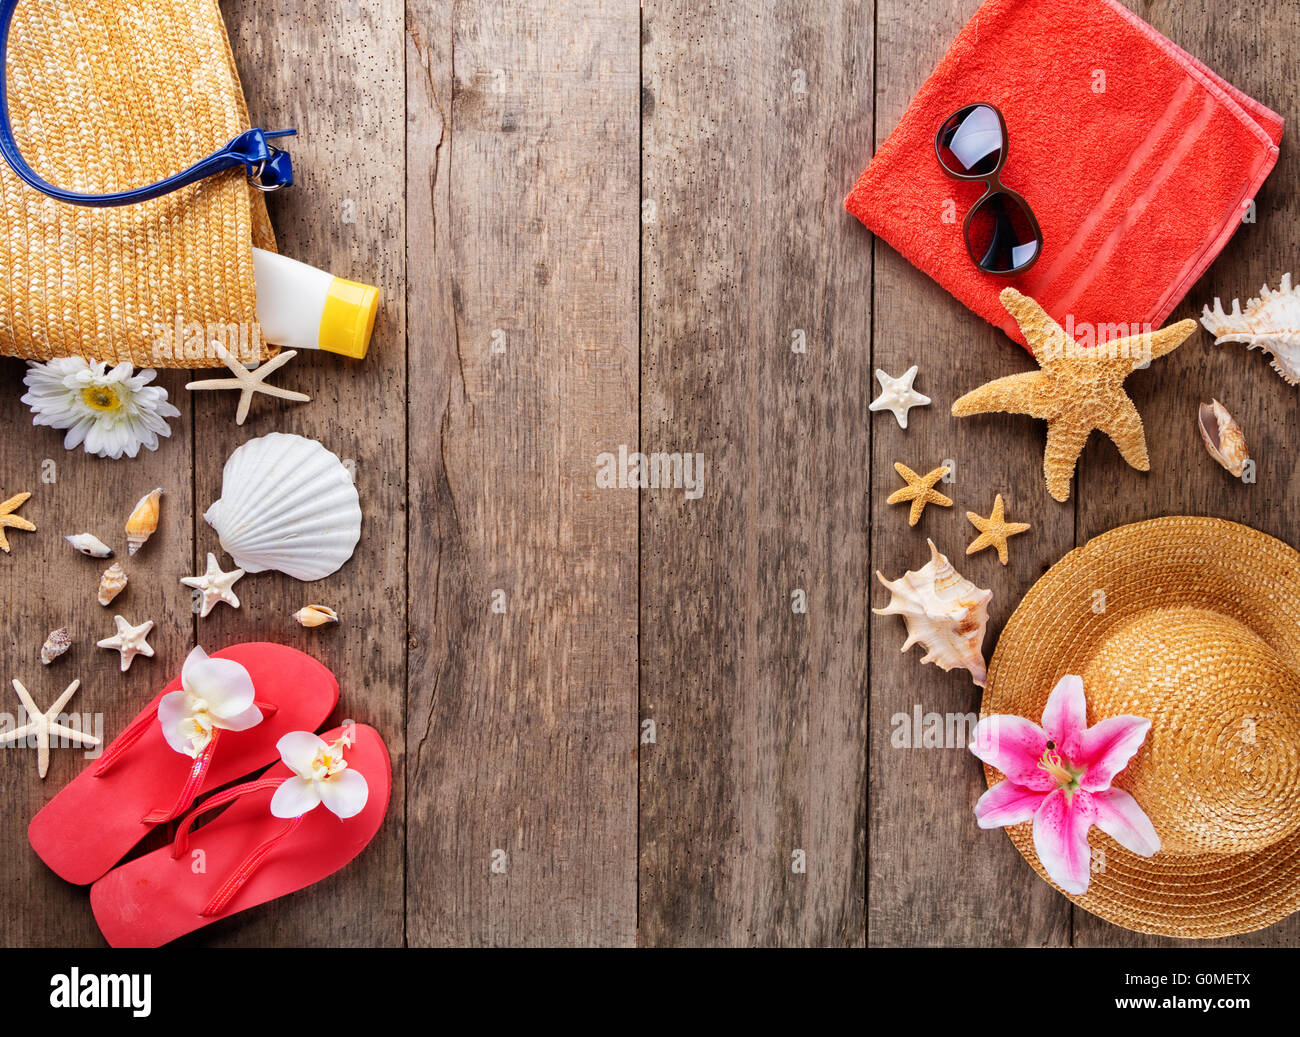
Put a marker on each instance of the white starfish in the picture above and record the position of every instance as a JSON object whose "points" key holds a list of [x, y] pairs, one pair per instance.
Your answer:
{"points": [[42, 725], [249, 383], [129, 640], [215, 585], [897, 394]]}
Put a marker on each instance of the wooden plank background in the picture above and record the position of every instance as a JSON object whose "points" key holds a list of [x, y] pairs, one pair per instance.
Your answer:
{"points": [[622, 717]]}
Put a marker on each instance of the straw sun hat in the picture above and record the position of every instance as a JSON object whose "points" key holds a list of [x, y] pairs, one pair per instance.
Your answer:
{"points": [[1193, 623]]}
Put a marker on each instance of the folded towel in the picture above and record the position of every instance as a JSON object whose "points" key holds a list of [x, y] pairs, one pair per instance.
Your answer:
{"points": [[1138, 161]]}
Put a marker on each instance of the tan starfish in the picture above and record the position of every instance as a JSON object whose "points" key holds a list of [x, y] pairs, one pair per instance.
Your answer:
{"points": [[42, 725], [249, 383], [994, 530], [919, 490], [9, 519], [1076, 390]]}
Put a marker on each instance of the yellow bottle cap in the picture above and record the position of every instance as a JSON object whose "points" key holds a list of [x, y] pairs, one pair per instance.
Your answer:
{"points": [[348, 318]]}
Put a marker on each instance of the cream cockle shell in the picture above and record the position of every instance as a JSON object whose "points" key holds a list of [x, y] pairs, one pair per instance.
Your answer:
{"points": [[1270, 322], [287, 504], [943, 611], [1223, 437]]}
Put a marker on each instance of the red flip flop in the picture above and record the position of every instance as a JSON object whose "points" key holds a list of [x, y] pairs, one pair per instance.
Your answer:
{"points": [[302, 820], [219, 727]]}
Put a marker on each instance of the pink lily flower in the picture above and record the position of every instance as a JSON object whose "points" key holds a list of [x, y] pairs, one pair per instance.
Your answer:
{"points": [[1059, 776]]}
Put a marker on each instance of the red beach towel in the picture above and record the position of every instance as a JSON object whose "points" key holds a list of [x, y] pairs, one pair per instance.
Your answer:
{"points": [[1138, 161]]}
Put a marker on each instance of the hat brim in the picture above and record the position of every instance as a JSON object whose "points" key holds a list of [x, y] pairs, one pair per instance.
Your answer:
{"points": [[1180, 560]]}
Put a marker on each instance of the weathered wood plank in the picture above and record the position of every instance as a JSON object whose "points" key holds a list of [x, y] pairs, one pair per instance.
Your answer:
{"points": [[46, 584], [936, 878], [344, 214], [522, 209], [755, 327], [1256, 55]]}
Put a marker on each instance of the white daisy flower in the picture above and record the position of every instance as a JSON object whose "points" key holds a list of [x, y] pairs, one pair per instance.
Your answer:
{"points": [[112, 412]]}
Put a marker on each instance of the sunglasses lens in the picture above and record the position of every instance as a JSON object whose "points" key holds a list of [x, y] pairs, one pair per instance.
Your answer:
{"points": [[1002, 235], [970, 143]]}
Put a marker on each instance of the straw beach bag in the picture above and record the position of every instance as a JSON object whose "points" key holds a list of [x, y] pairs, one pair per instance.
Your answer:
{"points": [[103, 96]]}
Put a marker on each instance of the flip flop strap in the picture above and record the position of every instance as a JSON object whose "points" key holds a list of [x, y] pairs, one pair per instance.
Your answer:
{"points": [[139, 726], [182, 841], [191, 787], [244, 872]]}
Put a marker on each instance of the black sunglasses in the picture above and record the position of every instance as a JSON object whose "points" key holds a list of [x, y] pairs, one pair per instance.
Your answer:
{"points": [[1002, 235]]}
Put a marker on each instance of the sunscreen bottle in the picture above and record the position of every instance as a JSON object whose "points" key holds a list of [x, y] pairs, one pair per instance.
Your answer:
{"points": [[300, 307]]}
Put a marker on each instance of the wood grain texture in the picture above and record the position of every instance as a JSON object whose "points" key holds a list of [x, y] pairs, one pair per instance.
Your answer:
{"points": [[46, 584], [522, 208], [1257, 56], [344, 214], [748, 146], [936, 878]]}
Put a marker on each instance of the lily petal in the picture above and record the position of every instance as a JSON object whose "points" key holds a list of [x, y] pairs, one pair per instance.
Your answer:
{"points": [[1066, 714], [1007, 803], [1106, 748], [1061, 839], [1120, 817], [294, 797], [223, 684], [345, 793], [1014, 746], [298, 750], [173, 708]]}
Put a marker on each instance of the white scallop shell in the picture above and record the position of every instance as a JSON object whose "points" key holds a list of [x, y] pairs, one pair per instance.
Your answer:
{"points": [[287, 504], [1270, 322]]}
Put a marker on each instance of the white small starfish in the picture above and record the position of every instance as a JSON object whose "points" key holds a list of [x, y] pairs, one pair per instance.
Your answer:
{"points": [[129, 640], [42, 725], [249, 383], [215, 585], [897, 394]]}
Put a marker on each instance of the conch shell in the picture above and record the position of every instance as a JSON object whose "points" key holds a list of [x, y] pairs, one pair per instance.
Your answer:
{"points": [[112, 583], [55, 645], [944, 612], [89, 544], [1223, 437], [316, 615], [1270, 322], [143, 521]]}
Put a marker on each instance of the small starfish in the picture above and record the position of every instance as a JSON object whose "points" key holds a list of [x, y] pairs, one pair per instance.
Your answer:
{"points": [[42, 725], [249, 383], [215, 585], [1077, 389], [994, 530], [919, 490], [9, 519], [129, 640], [897, 394]]}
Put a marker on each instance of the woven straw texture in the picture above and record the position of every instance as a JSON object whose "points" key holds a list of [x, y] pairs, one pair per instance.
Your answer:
{"points": [[1193, 623], [107, 96]]}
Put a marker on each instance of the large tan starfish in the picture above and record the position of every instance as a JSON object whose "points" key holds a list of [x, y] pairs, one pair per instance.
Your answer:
{"points": [[919, 490], [1076, 390], [994, 530], [249, 383], [42, 725], [9, 519]]}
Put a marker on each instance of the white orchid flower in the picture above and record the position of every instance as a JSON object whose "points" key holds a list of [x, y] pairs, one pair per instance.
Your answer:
{"points": [[320, 776], [217, 695]]}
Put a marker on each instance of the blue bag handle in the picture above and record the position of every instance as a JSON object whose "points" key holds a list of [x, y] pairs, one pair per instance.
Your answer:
{"points": [[266, 166]]}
